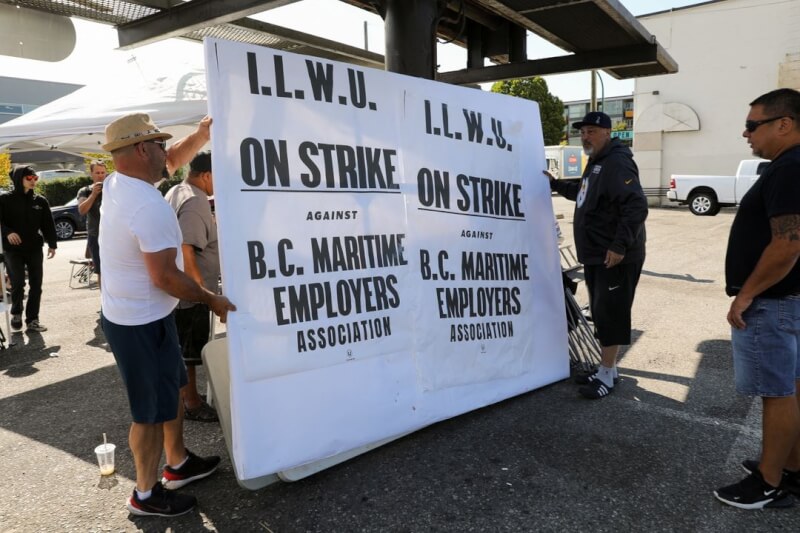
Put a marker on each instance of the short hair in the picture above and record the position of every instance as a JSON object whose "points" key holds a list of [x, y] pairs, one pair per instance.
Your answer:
{"points": [[97, 163], [780, 102], [201, 163]]}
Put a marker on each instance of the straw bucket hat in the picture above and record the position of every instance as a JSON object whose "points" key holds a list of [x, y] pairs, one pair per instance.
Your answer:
{"points": [[132, 129]]}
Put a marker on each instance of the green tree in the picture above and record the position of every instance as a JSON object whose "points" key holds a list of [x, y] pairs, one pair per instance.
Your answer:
{"points": [[5, 168], [551, 108]]}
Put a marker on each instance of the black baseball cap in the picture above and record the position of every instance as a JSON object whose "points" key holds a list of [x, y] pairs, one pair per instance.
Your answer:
{"points": [[594, 118]]}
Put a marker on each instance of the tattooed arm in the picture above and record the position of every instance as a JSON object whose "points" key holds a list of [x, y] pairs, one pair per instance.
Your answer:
{"points": [[777, 260]]}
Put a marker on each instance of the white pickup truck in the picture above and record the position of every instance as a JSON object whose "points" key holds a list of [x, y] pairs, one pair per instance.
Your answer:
{"points": [[706, 194]]}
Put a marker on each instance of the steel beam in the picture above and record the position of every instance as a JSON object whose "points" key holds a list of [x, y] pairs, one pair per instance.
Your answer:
{"points": [[601, 59], [189, 16]]}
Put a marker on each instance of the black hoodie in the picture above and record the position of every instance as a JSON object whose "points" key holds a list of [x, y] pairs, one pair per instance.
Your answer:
{"points": [[611, 213], [26, 214]]}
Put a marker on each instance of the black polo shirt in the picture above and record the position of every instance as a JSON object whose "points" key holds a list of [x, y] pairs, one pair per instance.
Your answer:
{"points": [[775, 193]]}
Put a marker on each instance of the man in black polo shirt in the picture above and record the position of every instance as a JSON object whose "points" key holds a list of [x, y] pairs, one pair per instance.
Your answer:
{"points": [[762, 272]]}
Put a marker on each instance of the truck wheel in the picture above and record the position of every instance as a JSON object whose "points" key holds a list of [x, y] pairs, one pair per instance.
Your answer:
{"points": [[703, 204]]}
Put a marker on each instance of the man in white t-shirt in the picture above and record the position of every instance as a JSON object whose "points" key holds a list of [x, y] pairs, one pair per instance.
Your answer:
{"points": [[143, 279]]}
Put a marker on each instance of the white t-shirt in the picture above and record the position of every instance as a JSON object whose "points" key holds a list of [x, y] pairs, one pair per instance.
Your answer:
{"points": [[134, 218]]}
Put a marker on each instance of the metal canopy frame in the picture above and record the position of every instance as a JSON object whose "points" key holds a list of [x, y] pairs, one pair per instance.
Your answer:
{"points": [[598, 34]]}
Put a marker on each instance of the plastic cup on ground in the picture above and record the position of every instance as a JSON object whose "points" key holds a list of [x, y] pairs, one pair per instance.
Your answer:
{"points": [[105, 458]]}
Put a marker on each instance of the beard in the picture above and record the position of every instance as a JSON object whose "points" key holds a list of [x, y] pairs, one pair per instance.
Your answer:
{"points": [[588, 150]]}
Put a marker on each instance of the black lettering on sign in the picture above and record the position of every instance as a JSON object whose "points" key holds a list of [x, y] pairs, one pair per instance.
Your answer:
{"points": [[255, 255], [480, 331], [433, 188], [425, 264], [342, 334], [269, 162], [493, 266], [336, 254], [474, 126], [474, 302], [347, 167], [321, 77], [320, 80], [329, 299], [489, 197], [286, 268], [440, 125]]}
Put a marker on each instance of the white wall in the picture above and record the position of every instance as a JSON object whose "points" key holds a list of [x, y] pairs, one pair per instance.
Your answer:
{"points": [[728, 53]]}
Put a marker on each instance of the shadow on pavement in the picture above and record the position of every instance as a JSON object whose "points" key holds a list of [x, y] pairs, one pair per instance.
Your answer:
{"points": [[679, 277], [29, 348]]}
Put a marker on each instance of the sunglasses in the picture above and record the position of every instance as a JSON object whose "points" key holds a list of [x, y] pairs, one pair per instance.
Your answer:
{"points": [[752, 125], [32, 177], [160, 144]]}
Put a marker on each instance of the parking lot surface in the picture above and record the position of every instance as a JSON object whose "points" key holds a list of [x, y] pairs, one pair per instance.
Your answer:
{"points": [[644, 459]]}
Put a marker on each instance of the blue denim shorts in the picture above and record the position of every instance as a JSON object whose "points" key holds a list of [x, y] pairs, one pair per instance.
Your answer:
{"points": [[766, 354], [150, 363]]}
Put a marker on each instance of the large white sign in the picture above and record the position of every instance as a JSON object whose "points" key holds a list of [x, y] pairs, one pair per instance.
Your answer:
{"points": [[389, 244]]}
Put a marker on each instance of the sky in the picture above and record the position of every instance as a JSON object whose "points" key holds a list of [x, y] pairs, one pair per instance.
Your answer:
{"points": [[95, 53]]}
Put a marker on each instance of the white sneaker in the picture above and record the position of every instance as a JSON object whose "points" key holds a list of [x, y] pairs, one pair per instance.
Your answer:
{"points": [[36, 326]]}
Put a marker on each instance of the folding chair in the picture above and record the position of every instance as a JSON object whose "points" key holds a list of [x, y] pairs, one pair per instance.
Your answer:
{"points": [[81, 273]]}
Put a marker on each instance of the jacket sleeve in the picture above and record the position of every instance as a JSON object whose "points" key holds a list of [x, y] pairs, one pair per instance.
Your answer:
{"points": [[568, 189], [625, 190], [4, 219], [48, 226]]}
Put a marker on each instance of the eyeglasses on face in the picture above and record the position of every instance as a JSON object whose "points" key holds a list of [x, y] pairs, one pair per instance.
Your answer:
{"points": [[32, 177], [752, 125], [160, 144]]}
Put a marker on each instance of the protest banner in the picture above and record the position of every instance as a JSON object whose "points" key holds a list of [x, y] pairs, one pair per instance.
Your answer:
{"points": [[389, 244]]}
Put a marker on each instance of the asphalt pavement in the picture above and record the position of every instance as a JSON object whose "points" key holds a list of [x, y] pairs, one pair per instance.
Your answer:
{"points": [[644, 459]]}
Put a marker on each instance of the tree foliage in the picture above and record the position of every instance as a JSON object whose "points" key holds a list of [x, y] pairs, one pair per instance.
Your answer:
{"points": [[5, 170], [551, 108]]}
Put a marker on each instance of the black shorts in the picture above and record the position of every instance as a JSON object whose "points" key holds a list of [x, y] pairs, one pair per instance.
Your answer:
{"points": [[611, 292], [149, 360], [193, 330]]}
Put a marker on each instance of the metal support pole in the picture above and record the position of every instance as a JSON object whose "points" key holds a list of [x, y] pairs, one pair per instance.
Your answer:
{"points": [[411, 36], [593, 105]]}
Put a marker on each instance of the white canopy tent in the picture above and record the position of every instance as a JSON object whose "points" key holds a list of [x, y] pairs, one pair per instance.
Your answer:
{"points": [[76, 123]]}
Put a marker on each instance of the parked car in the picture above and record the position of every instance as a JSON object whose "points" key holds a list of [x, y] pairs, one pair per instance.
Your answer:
{"points": [[706, 194], [59, 173], [68, 220]]}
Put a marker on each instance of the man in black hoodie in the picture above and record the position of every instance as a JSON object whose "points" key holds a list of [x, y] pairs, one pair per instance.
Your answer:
{"points": [[610, 210], [25, 217]]}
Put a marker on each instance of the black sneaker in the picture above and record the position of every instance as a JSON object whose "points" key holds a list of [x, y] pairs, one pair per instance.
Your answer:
{"points": [[161, 503], [16, 321], [789, 481], [586, 377], [193, 469], [754, 493], [595, 390]]}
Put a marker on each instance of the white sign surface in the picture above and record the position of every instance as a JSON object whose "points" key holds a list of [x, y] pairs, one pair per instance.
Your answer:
{"points": [[389, 244]]}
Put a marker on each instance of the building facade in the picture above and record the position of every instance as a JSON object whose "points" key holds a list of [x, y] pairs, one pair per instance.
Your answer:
{"points": [[19, 96], [619, 108], [729, 52]]}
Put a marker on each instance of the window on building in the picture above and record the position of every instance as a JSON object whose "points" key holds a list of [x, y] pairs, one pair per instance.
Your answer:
{"points": [[612, 107]]}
